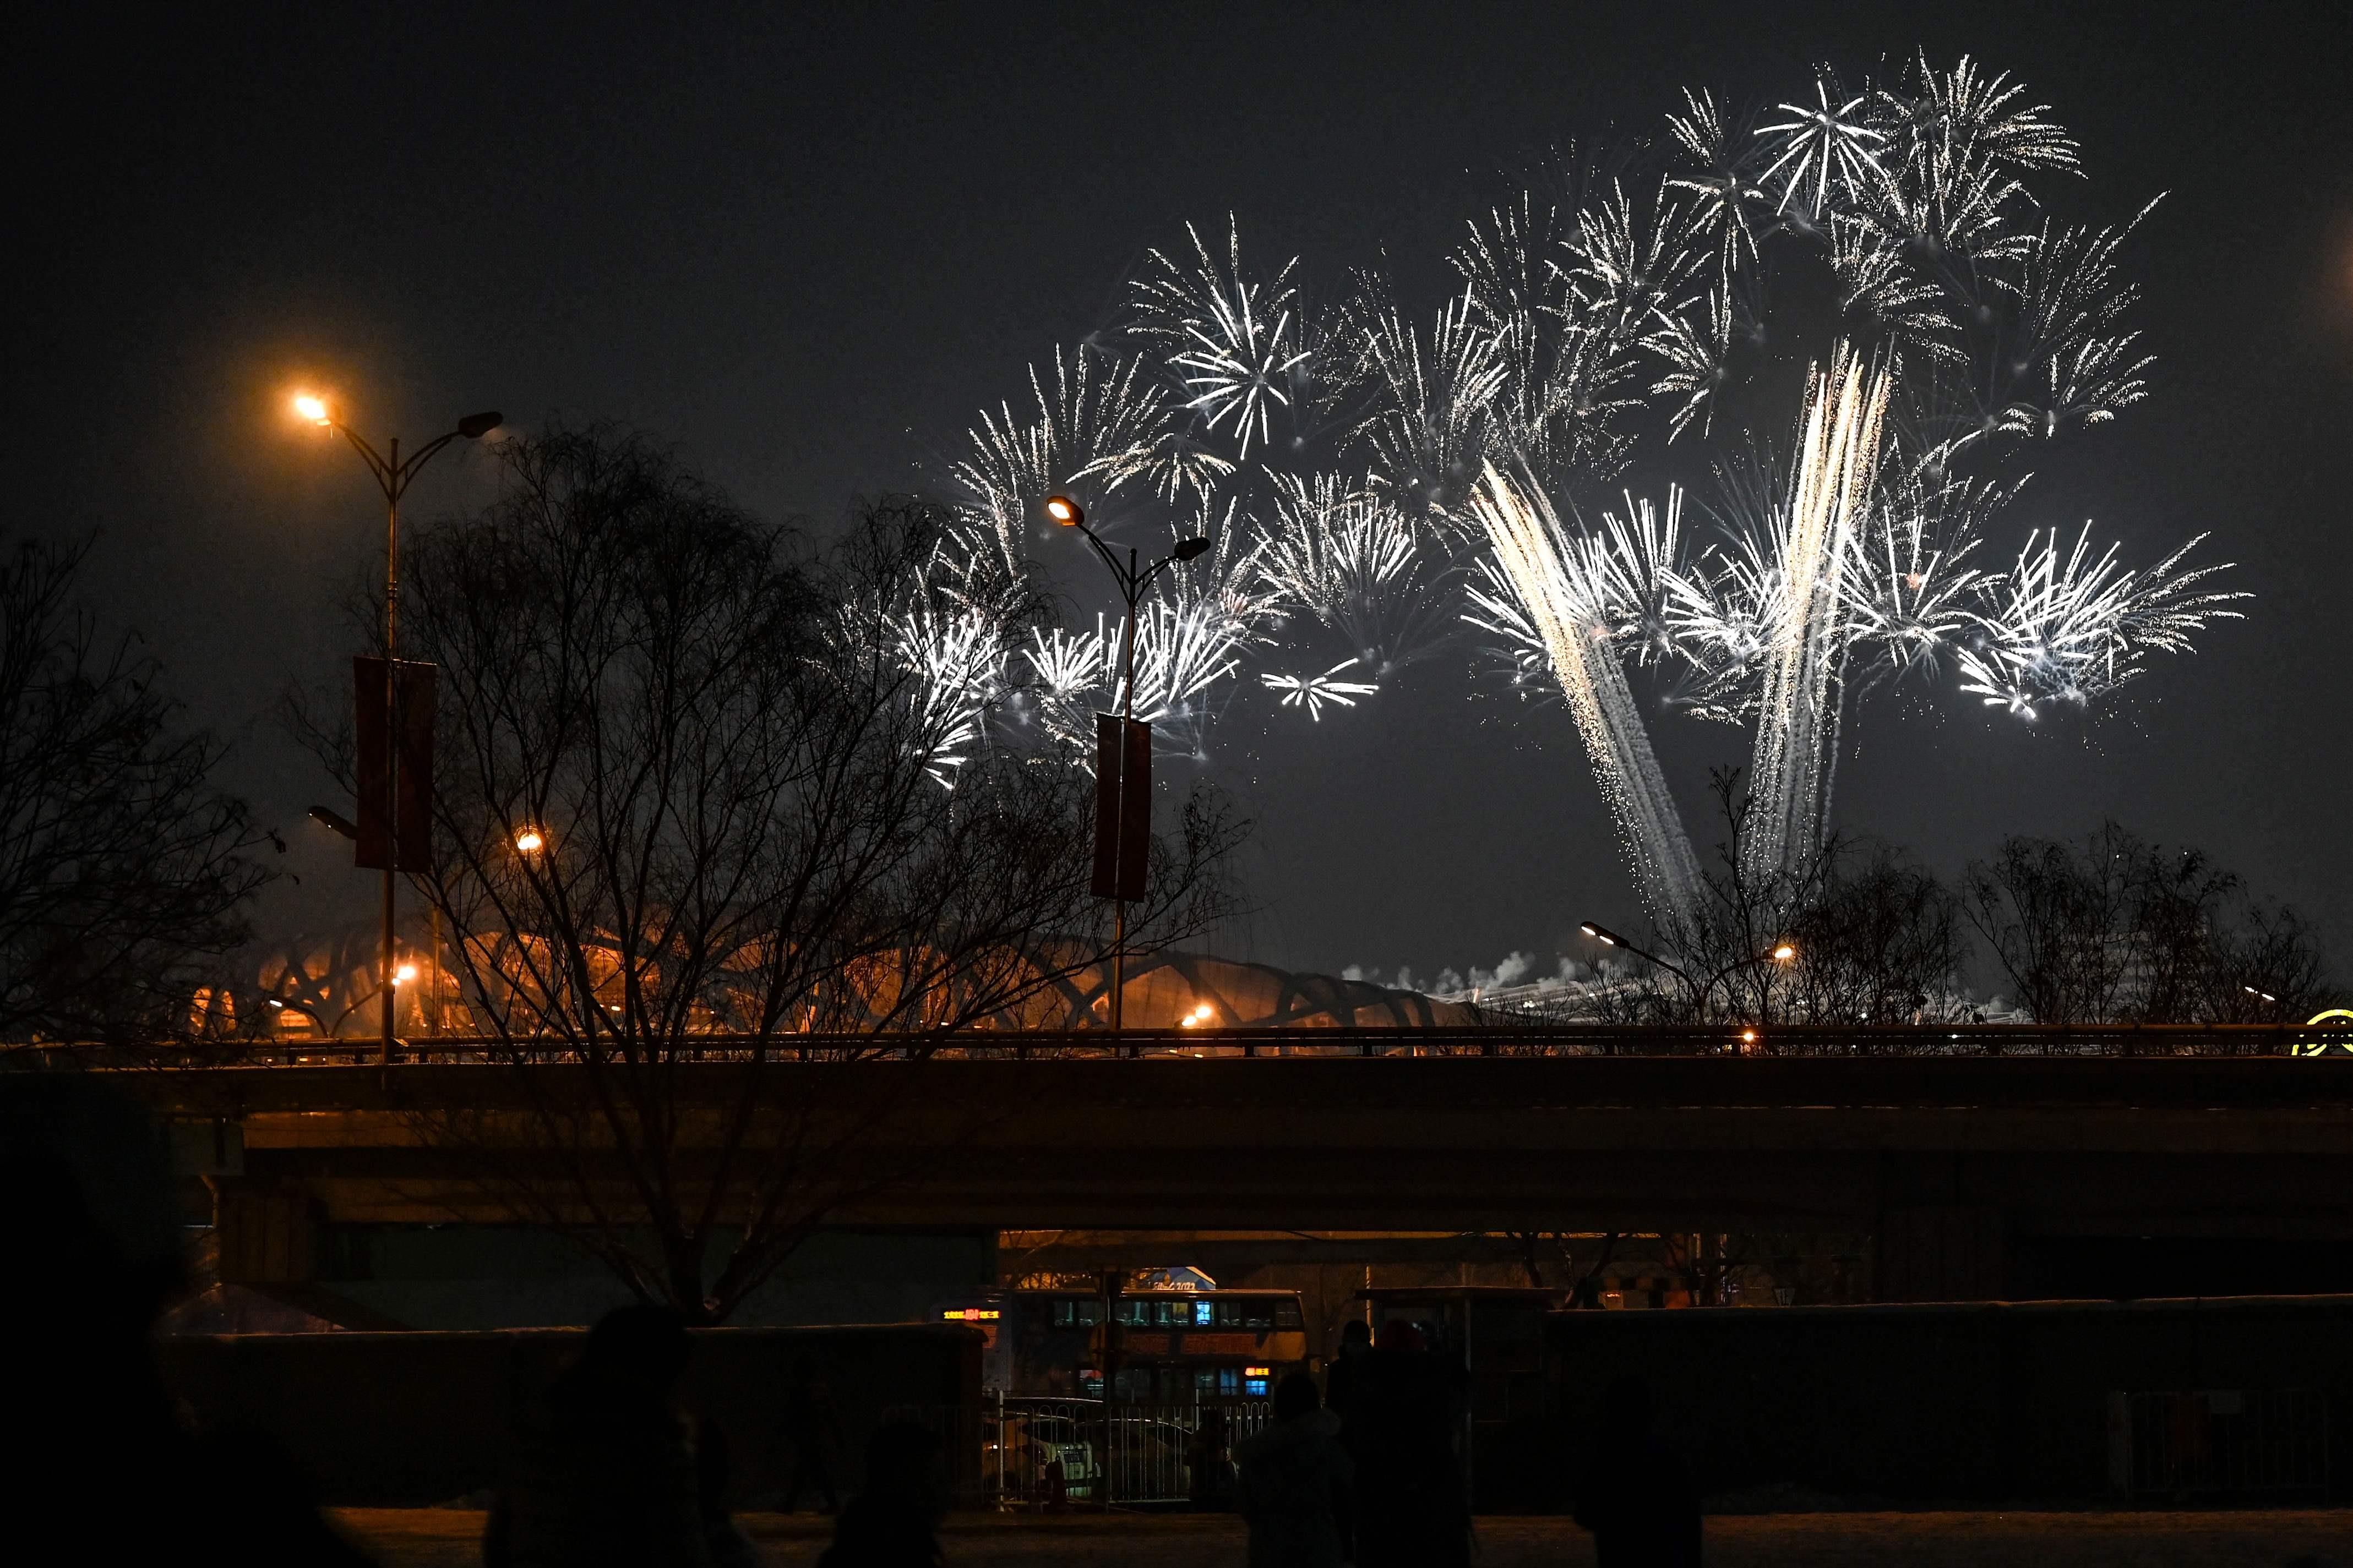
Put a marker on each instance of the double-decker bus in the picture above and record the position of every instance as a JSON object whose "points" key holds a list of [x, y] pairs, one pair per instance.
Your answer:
{"points": [[1175, 1347]]}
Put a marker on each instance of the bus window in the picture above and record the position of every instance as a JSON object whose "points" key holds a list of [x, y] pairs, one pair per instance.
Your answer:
{"points": [[1200, 1314], [1286, 1315], [1077, 1313], [1137, 1313], [1175, 1314]]}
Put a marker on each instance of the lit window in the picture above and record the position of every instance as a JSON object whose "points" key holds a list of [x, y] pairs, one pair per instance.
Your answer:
{"points": [[1200, 1314]]}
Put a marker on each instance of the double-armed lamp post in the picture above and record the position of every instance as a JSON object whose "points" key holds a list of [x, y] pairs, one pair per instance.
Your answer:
{"points": [[1122, 766], [1780, 952], [393, 474]]}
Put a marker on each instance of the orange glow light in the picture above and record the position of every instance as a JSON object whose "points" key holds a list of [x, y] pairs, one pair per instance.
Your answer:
{"points": [[530, 841], [314, 408], [403, 974]]}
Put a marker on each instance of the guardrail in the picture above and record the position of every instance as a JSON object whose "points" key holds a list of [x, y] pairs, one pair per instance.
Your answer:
{"points": [[1808, 1040]]}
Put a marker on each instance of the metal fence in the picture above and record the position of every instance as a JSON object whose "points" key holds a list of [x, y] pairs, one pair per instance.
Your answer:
{"points": [[1027, 1453], [2219, 1441]]}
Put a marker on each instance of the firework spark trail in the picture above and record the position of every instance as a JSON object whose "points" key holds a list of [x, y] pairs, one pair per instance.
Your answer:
{"points": [[1555, 584], [1797, 728]]}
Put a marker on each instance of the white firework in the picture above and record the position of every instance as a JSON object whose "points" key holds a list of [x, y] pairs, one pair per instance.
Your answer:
{"points": [[1353, 560], [1716, 169], [1823, 150], [1697, 351], [1091, 421], [1608, 304], [2070, 629], [1429, 428], [1878, 286], [1070, 676], [956, 658], [1628, 265], [1230, 342], [2064, 360], [1911, 595], [1313, 691]]}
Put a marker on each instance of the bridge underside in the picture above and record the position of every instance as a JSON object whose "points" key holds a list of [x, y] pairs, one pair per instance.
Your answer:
{"points": [[1961, 1171]]}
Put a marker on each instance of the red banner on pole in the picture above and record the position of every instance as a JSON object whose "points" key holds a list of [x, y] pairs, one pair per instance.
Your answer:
{"points": [[1122, 808], [393, 834]]}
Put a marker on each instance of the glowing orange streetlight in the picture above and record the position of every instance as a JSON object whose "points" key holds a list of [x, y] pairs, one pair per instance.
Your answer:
{"points": [[1132, 581], [530, 841], [392, 474], [1784, 953]]}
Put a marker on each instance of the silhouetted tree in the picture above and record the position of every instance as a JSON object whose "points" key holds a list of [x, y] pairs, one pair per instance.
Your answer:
{"points": [[698, 808], [124, 875], [2118, 930]]}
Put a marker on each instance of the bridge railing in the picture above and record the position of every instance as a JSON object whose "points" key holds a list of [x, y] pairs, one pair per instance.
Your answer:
{"points": [[1971, 1040]]}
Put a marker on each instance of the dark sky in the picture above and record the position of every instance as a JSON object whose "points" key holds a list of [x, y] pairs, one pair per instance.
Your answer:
{"points": [[805, 243]]}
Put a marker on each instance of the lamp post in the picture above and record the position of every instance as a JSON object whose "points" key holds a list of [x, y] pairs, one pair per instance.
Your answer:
{"points": [[393, 475], [1780, 952], [1132, 581]]}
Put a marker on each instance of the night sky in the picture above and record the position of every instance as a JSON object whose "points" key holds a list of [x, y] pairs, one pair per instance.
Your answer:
{"points": [[805, 245]]}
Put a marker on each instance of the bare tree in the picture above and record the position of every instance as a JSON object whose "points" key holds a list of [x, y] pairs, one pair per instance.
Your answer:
{"points": [[692, 794], [2118, 930], [124, 875], [1882, 943]]}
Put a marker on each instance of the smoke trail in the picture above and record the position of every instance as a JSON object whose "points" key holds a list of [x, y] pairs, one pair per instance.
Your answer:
{"points": [[1797, 721], [1555, 583]]}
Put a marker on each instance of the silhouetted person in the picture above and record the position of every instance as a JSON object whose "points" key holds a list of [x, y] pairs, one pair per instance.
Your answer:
{"points": [[95, 1252], [814, 1424], [893, 1520], [713, 1468], [1637, 1496], [1341, 1377], [607, 1475], [1406, 1413], [1209, 1464], [1295, 1483]]}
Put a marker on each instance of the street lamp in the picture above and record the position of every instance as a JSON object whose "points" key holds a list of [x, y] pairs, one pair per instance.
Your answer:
{"points": [[1780, 952], [393, 475], [1133, 582]]}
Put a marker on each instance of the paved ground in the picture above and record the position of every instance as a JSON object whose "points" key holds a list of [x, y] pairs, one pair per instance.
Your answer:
{"points": [[444, 1538]]}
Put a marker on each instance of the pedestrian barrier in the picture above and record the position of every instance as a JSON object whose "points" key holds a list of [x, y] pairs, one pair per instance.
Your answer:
{"points": [[1047, 1454]]}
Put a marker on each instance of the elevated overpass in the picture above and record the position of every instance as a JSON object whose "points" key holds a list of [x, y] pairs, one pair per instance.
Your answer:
{"points": [[1964, 1158]]}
